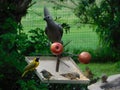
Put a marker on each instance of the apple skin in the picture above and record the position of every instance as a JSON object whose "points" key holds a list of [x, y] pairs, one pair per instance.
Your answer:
{"points": [[84, 57], [56, 48]]}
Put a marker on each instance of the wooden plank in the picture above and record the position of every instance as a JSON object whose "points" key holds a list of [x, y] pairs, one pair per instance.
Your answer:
{"points": [[67, 65]]}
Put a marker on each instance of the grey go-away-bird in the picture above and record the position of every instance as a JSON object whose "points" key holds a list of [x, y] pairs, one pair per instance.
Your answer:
{"points": [[53, 30]]}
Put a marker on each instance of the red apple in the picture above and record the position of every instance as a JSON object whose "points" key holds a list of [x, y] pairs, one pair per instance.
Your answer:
{"points": [[56, 48], [84, 57]]}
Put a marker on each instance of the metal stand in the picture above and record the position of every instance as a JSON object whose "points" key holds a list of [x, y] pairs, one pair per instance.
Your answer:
{"points": [[57, 64]]}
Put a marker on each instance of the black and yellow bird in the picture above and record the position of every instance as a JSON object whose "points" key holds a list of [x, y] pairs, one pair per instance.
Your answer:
{"points": [[31, 66], [104, 78]]}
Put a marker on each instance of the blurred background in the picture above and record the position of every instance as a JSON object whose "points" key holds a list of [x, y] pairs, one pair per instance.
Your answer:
{"points": [[90, 25]]}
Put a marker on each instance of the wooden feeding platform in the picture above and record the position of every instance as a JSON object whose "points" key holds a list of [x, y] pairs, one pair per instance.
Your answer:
{"points": [[66, 65]]}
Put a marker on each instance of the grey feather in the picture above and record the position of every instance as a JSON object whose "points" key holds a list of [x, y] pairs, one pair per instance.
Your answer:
{"points": [[53, 30]]}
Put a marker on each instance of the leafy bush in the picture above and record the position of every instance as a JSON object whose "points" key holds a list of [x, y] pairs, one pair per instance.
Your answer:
{"points": [[11, 65], [14, 45], [101, 54], [38, 41], [31, 85], [117, 65]]}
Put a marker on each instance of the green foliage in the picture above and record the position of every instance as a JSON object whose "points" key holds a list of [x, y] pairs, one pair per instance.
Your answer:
{"points": [[100, 55], [14, 46], [7, 42], [21, 43], [10, 68], [31, 85], [37, 43], [105, 15], [10, 25], [117, 65], [11, 62], [103, 54]]}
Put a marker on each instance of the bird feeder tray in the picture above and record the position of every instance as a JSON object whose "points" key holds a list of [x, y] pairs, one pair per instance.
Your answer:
{"points": [[67, 65]]}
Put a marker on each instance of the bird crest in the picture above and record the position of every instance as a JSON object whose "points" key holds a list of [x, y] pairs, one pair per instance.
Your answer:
{"points": [[46, 13]]}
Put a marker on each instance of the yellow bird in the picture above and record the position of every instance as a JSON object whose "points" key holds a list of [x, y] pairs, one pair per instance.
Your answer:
{"points": [[88, 73], [31, 66]]}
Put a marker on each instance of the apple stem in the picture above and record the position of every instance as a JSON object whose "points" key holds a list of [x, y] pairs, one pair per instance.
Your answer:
{"points": [[57, 64]]}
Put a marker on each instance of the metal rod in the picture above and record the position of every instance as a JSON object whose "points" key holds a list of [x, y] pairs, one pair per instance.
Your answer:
{"points": [[71, 54], [65, 64], [57, 64]]}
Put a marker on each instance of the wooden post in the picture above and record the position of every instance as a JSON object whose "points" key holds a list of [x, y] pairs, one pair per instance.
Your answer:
{"points": [[57, 64]]}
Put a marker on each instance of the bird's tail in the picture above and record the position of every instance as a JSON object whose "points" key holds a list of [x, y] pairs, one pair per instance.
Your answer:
{"points": [[24, 73]]}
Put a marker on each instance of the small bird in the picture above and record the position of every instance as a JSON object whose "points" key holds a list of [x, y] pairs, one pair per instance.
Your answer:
{"points": [[88, 73], [47, 75], [94, 80], [112, 85], [31, 66], [73, 75], [104, 78], [53, 30]]}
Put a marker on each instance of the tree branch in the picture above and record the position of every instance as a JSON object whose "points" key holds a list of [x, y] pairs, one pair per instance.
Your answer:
{"points": [[32, 4], [74, 2], [62, 5]]}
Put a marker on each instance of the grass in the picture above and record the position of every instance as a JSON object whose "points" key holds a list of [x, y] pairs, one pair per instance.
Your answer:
{"points": [[81, 38], [101, 68]]}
